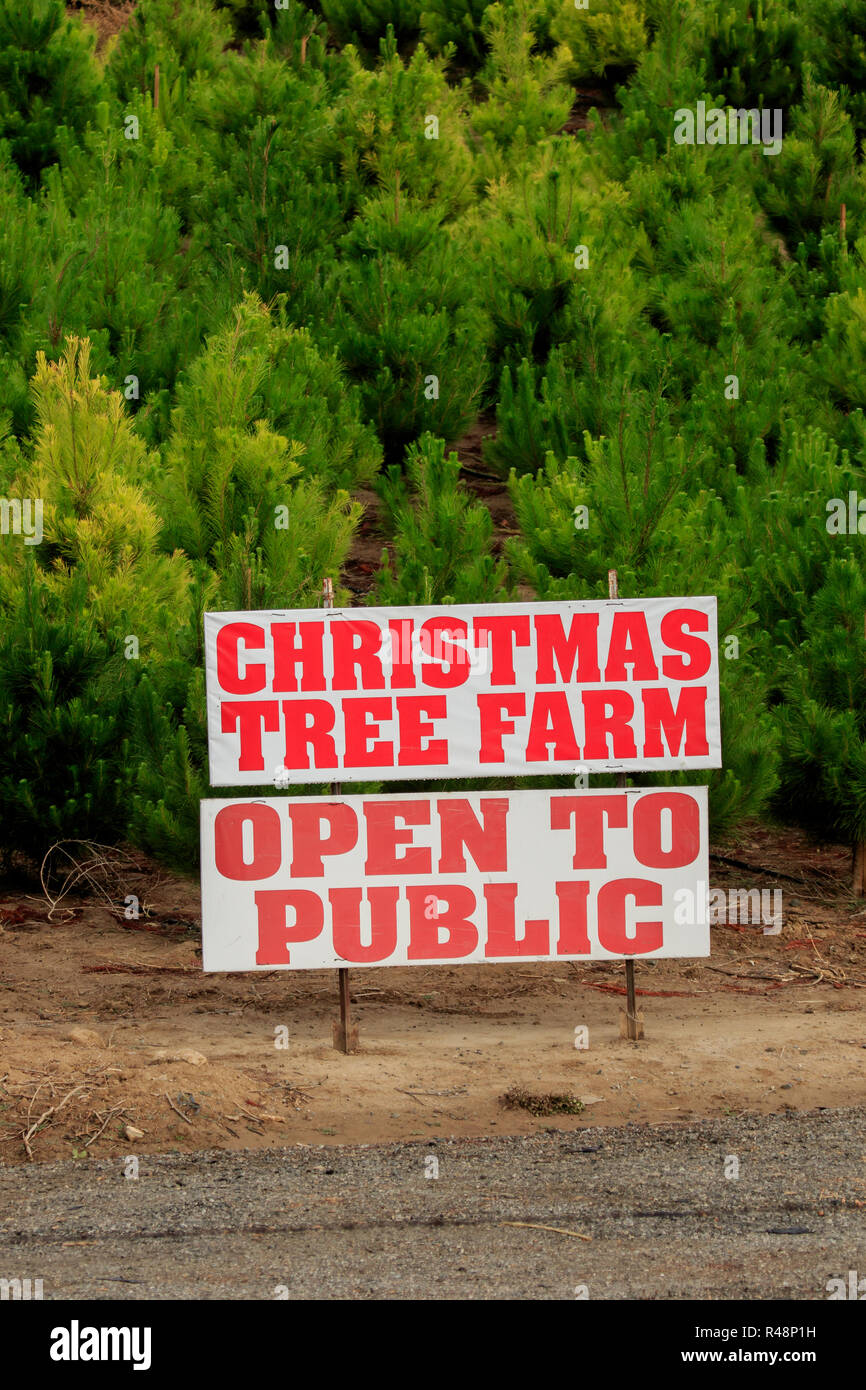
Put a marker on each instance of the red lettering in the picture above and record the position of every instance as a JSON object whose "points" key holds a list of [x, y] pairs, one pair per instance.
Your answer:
{"points": [[414, 729], [424, 942], [275, 933], [607, 714], [573, 933], [502, 937], [675, 633], [357, 642], [229, 841], [308, 653], [346, 908], [685, 830], [493, 726], [402, 670], [689, 718], [612, 934], [630, 645], [501, 634], [316, 735], [460, 829], [228, 642], [362, 718], [436, 635], [588, 813], [553, 645], [249, 717], [383, 837], [308, 844], [551, 724]]}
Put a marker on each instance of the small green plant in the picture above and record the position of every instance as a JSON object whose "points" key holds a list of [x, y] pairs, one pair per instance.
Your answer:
{"points": [[365, 23], [605, 40], [528, 96], [442, 548], [48, 78], [410, 331], [753, 51], [181, 37]]}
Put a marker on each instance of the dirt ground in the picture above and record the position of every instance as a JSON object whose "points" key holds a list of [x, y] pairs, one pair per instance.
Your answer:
{"points": [[107, 1023]]}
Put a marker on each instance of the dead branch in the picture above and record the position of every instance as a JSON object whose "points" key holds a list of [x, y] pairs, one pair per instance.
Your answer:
{"points": [[105, 869], [115, 1110], [27, 1135], [175, 1109]]}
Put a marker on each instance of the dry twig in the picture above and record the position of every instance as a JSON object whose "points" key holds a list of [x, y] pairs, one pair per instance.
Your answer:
{"points": [[28, 1134], [534, 1226], [175, 1109], [115, 1110]]}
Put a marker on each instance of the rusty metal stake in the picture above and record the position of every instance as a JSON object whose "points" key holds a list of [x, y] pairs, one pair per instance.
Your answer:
{"points": [[633, 1023], [343, 1030], [345, 1033]]}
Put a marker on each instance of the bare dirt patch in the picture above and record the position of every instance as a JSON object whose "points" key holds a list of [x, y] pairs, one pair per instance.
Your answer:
{"points": [[107, 1023], [107, 17]]}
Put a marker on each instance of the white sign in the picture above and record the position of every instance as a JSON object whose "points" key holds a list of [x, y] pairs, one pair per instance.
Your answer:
{"points": [[322, 695], [316, 882]]}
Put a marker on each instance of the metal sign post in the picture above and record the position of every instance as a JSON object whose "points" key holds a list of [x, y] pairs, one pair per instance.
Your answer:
{"points": [[633, 1023], [345, 1033]]}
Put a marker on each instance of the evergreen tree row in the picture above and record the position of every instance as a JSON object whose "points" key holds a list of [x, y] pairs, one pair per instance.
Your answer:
{"points": [[256, 257]]}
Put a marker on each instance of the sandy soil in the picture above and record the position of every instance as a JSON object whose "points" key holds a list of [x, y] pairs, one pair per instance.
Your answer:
{"points": [[120, 1015]]}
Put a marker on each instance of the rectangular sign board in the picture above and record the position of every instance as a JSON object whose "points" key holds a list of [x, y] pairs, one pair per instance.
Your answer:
{"points": [[308, 883], [313, 696]]}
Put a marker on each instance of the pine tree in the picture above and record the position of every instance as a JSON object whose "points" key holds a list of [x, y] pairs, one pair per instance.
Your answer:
{"points": [[381, 135], [606, 39], [821, 717], [91, 473], [118, 268], [753, 51], [48, 78], [835, 40], [365, 23], [178, 36], [554, 249], [410, 331], [234, 495], [841, 354], [20, 261], [299, 37], [442, 547], [64, 718], [85, 608], [528, 96], [456, 23], [257, 177], [803, 188]]}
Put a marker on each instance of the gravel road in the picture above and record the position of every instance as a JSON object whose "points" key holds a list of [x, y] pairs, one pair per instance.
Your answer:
{"points": [[367, 1222]]}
